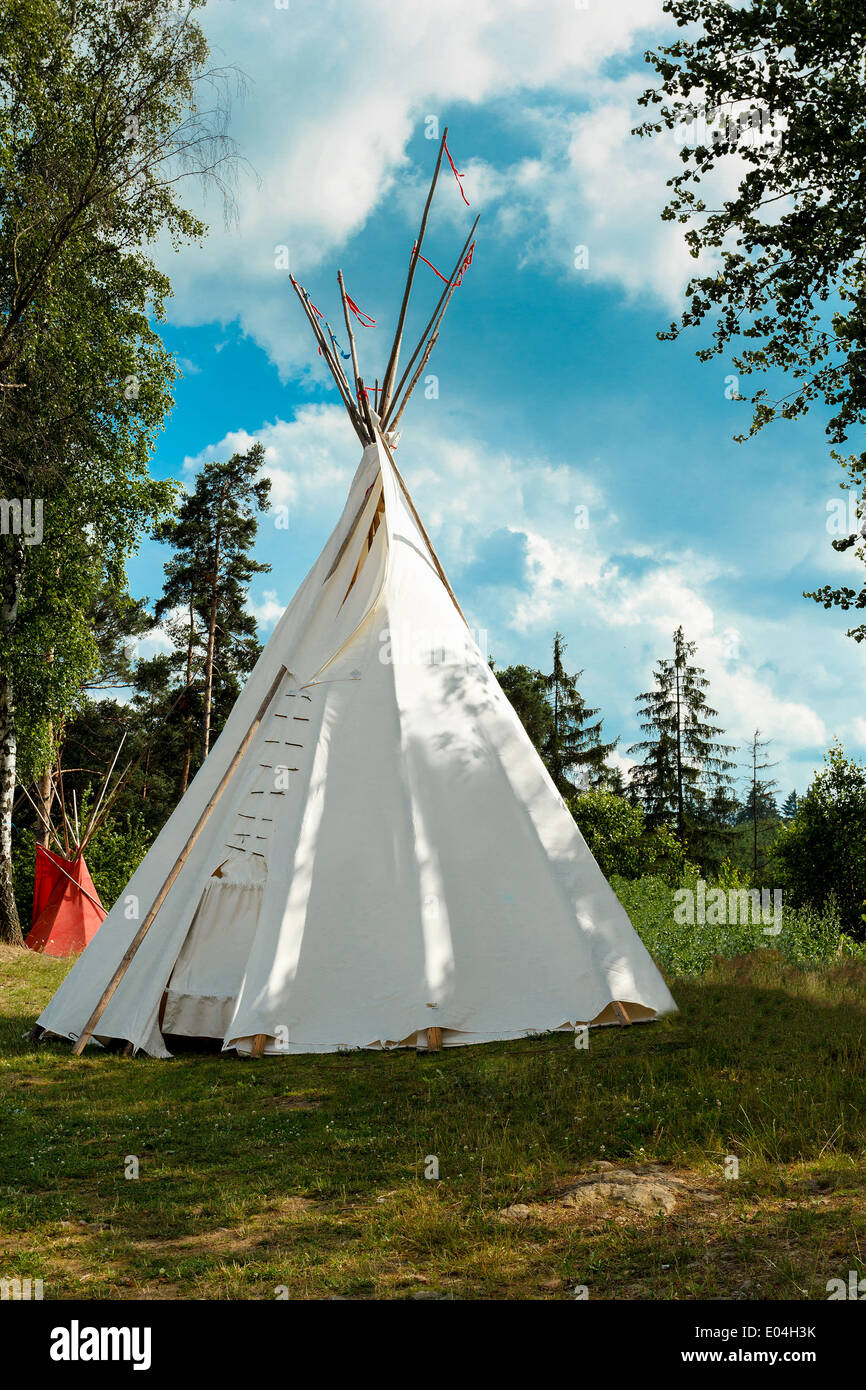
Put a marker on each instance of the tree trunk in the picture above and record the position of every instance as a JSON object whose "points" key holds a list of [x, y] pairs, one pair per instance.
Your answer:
{"points": [[13, 569], [187, 735], [187, 759], [755, 805], [681, 822], [10, 927], [44, 800], [211, 631]]}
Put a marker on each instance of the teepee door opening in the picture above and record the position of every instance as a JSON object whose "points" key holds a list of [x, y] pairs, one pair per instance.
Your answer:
{"points": [[203, 988]]}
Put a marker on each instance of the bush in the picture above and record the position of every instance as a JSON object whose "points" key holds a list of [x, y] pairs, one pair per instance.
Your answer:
{"points": [[809, 936], [615, 831], [822, 853], [23, 873], [114, 854]]}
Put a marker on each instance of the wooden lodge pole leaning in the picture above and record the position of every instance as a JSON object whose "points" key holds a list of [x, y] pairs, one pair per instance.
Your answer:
{"points": [[161, 896], [385, 413], [354, 414], [352, 349], [393, 359]]}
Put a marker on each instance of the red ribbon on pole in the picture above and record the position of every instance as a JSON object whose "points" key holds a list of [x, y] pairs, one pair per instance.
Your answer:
{"points": [[467, 261], [458, 177], [359, 315]]}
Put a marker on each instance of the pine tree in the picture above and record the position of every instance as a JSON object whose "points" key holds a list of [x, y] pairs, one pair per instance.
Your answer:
{"points": [[760, 803], [574, 742], [206, 580], [682, 757], [611, 780], [790, 805], [527, 691]]}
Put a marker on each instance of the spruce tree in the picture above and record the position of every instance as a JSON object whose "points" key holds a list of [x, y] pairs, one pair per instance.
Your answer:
{"points": [[683, 759], [574, 743], [527, 691], [760, 803]]}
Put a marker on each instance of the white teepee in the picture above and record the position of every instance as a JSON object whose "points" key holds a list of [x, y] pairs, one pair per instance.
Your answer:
{"points": [[373, 853]]}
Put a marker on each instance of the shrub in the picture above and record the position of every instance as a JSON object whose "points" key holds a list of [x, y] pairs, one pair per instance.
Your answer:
{"points": [[809, 936], [822, 853], [114, 854], [616, 832]]}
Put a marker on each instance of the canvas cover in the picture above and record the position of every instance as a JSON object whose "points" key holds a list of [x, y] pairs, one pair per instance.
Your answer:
{"points": [[391, 855], [67, 912]]}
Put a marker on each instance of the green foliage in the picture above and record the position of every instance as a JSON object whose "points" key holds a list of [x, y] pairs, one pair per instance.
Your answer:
{"points": [[821, 854], [784, 84], [810, 936], [114, 854], [562, 726], [616, 833], [95, 131], [682, 755], [574, 747], [23, 871], [527, 691], [98, 125]]}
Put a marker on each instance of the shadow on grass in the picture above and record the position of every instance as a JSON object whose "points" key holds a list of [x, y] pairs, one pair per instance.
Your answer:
{"points": [[319, 1162]]}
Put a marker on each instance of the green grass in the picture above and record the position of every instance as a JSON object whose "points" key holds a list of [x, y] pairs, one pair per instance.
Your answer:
{"points": [[309, 1172], [807, 936]]}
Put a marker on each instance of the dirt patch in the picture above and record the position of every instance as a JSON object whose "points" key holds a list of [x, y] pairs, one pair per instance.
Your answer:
{"points": [[12, 953], [231, 1240], [645, 1187], [302, 1102]]}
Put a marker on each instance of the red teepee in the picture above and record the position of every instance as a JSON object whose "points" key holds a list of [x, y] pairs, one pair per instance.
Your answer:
{"points": [[66, 907]]}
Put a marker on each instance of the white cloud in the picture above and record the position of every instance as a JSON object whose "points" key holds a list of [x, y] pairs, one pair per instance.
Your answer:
{"points": [[268, 612], [335, 93], [305, 458], [504, 527], [858, 731]]}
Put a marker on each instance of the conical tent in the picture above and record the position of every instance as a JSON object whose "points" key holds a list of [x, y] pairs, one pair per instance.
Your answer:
{"points": [[373, 854], [67, 912]]}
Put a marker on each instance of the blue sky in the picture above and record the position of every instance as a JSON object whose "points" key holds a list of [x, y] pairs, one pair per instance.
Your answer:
{"points": [[553, 391]]}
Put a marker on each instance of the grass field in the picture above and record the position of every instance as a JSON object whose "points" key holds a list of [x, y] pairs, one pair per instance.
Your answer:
{"points": [[307, 1174]]}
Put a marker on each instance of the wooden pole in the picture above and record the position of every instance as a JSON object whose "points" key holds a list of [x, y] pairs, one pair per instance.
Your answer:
{"points": [[434, 1039], [414, 382], [391, 369], [320, 339], [433, 320], [258, 1047], [420, 524], [621, 1013], [161, 896], [431, 343], [365, 406], [92, 821], [322, 344], [47, 824], [340, 368], [63, 808], [352, 347], [107, 806]]}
